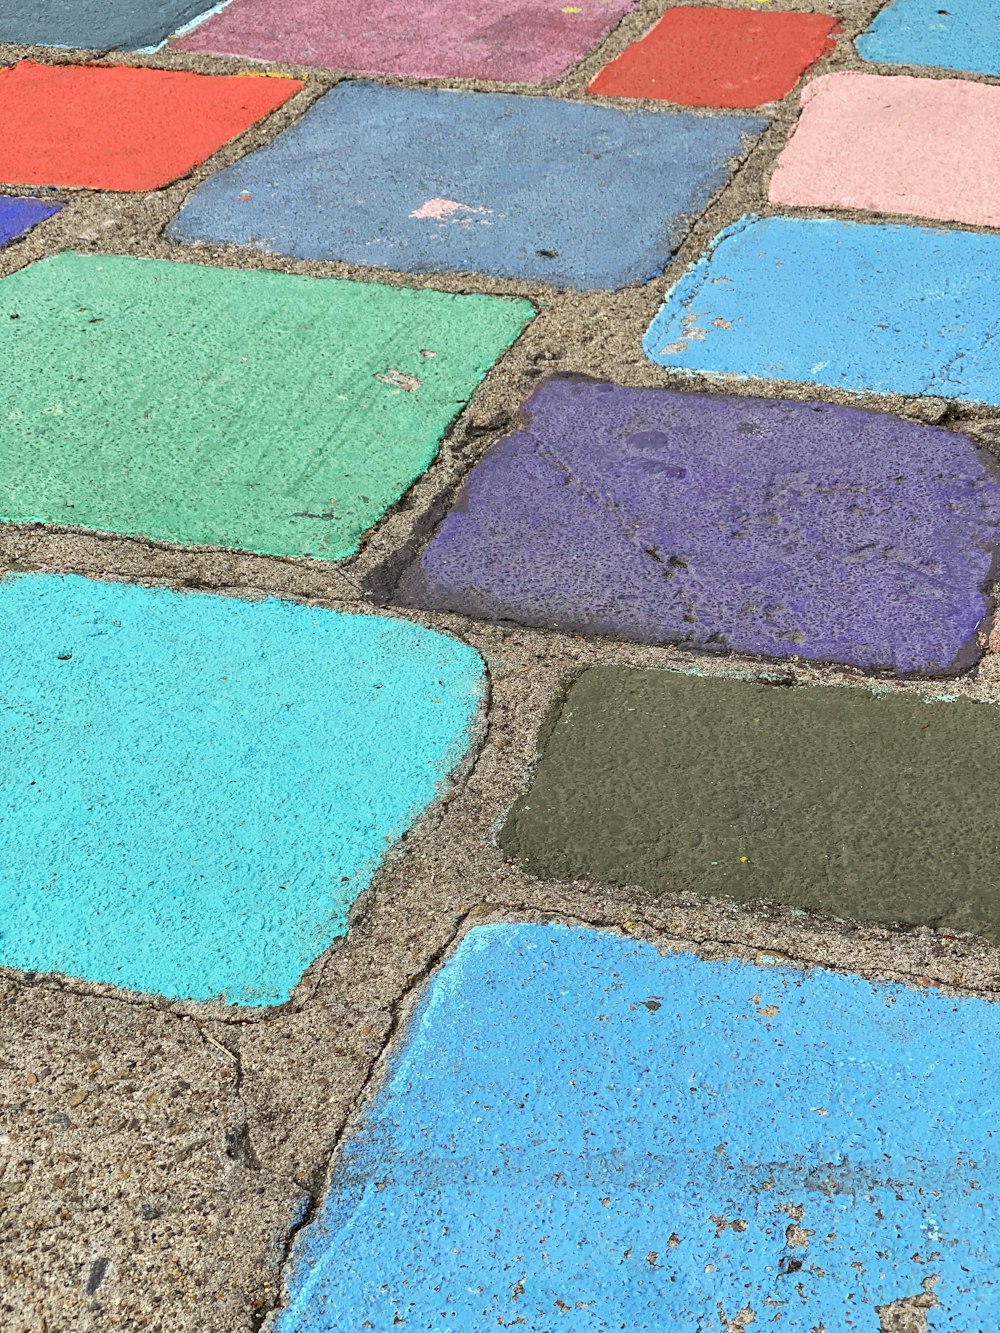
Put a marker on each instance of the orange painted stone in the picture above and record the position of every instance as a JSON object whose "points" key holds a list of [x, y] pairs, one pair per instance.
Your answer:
{"points": [[122, 128], [719, 57]]}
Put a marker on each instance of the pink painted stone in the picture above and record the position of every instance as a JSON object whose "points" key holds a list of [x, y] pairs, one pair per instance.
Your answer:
{"points": [[926, 147], [513, 41]]}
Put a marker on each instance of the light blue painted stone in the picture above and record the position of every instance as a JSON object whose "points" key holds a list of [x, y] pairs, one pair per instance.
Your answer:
{"points": [[868, 308], [581, 1133], [195, 789], [420, 180], [948, 34]]}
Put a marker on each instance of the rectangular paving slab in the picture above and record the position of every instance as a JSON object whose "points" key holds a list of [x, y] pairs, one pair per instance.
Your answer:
{"points": [[98, 25], [579, 1132], [258, 411], [962, 34], [18, 216], [866, 307], [727, 523], [895, 145], [517, 187], [195, 789], [866, 807]]}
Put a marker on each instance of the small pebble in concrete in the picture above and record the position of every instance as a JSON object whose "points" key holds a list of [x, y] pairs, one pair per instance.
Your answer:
{"points": [[519, 187], [259, 411], [18, 216], [869, 807], [727, 523], [719, 57], [122, 128], [98, 25], [580, 1132], [958, 34], [895, 145], [514, 41], [196, 788], [866, 307]]}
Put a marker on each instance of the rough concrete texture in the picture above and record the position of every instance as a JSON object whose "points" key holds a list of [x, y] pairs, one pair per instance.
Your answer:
{"points": [[965, 35], [98, 25], [121, 128], [18, 216], [763, 526], [874, 309], [517, 41], [306, 742], [591, 196], [719, 57], [580, 1131], [259, 411], [895, 145]]}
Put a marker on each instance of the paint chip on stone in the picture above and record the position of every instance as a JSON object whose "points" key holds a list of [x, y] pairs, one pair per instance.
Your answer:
{"points": [[592, 197], [196, 788], [257, 411], [948, 34], [96, 25], [871, 308], [18, 216], [122, 128], [548, 1150]]}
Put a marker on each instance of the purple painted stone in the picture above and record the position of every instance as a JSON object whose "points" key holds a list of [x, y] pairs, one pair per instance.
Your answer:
{"points": [[756, 525]]}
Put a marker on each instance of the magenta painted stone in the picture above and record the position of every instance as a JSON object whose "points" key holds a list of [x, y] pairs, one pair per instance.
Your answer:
{"points": [[756, 525]]}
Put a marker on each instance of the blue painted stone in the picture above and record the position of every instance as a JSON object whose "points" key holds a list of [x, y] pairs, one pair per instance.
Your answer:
{"points": [[581, 1133], [123, 25], [869, 308], [435, 181], [18, 216], [949, 34], [195, 789]]}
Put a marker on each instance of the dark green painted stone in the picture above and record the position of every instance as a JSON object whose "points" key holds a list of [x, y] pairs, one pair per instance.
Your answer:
{"points": [[868, 807]]}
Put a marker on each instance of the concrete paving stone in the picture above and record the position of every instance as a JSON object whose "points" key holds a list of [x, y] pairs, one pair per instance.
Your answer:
{"points": [[872, 308], [749, 524], [867, 807], [259, 411], [964, 35], [719, 57], [581, 1131], [895, 145], [197, 788], [518, 187], [18, 216], [515, 41], [121, 128], [98, 25]]}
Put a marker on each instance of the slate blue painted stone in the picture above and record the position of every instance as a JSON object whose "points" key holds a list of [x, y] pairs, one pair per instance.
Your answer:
{"points": [[123, 25], [435, 181], [857, 306], [948, 34], [18, 216], [581, 1133]]}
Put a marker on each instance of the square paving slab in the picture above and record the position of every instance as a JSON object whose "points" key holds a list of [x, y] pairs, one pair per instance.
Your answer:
{"points": [[868, 807], [118, 128], [517, 187], [727, 523], [858, 306], [98, 25], [195, 789], [581, 1133], [18, 216], [962, 34], [258, 411], [515, 41]]}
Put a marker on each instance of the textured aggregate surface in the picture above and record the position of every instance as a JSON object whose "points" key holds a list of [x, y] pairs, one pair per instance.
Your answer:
{"points": [[96, 25], [18, 216], [260, 411], [590, 197], [961, 35]]}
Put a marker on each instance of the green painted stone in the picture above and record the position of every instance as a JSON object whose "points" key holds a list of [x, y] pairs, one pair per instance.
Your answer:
{"points": [[260, 411], [871, 807]]}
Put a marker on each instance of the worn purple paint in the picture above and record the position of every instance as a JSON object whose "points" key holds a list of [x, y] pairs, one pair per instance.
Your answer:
{"points": [[757, 525]]}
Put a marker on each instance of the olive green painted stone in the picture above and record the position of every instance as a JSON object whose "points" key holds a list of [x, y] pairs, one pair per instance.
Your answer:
{"points": [[259, 411], [872, 807]]}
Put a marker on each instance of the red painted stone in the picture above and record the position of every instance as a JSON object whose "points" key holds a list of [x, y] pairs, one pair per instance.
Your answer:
{"points": [[121, 128], [718, 57]]}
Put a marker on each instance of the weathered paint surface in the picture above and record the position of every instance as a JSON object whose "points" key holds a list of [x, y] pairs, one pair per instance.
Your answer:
{"points": [[195, 789], [122, 128], [98, 25], [867, 307], [962, 34], [260, 411], [18, 216], [871, 808], [728, 523], [515, 41], [718, 57], [579, 1132], [895, 145], [619, 187]]}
